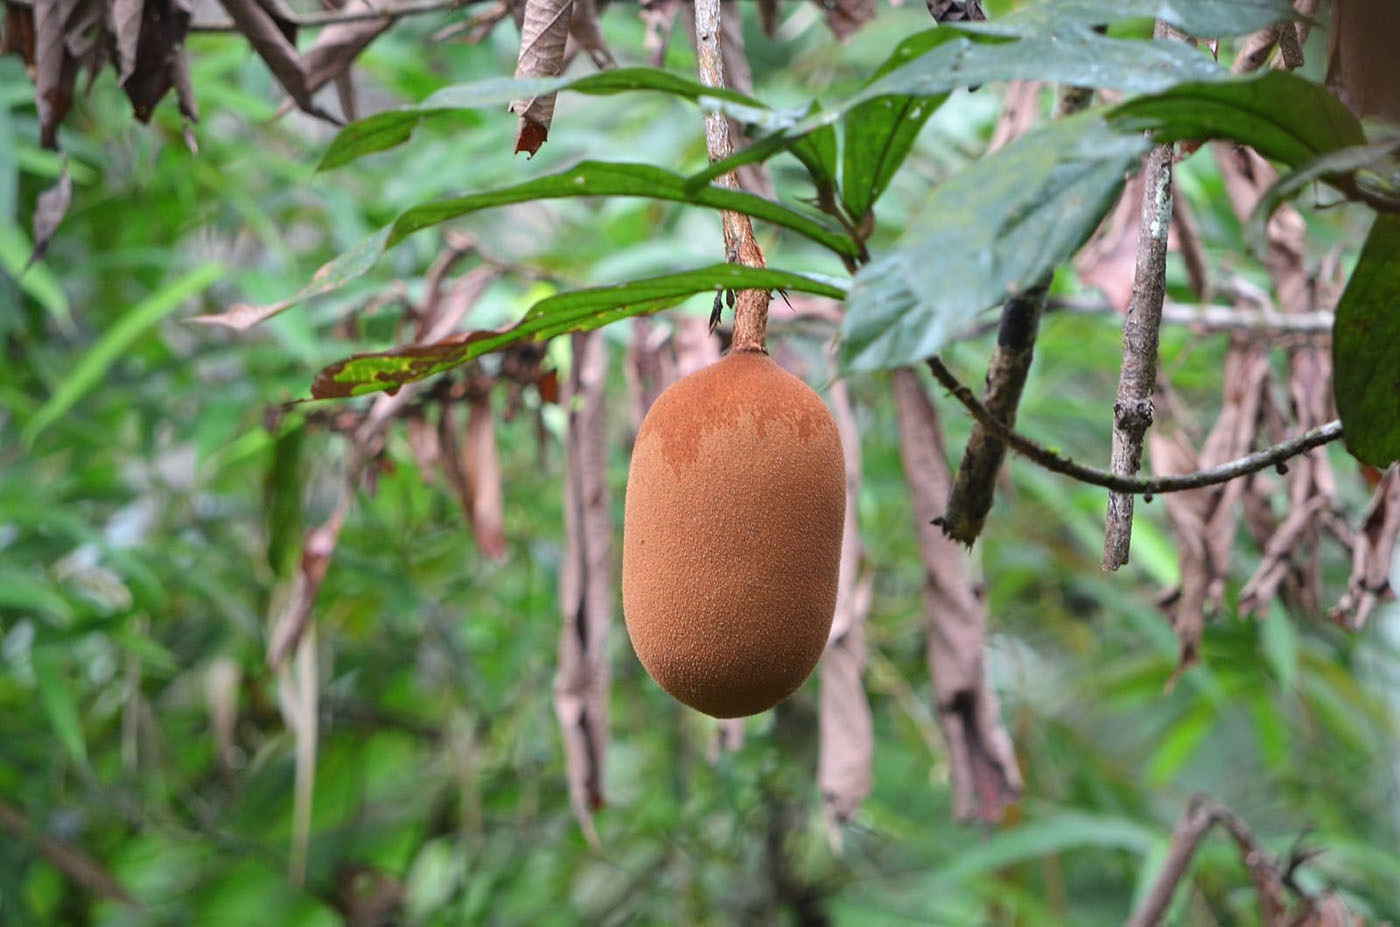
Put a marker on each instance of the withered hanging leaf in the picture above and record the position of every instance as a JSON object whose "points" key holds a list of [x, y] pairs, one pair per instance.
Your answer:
{"points": [[768, 13], [49, 211], [55, 71], [164, 25], [585, 582], [844, 17], [338, 45], [273, 38], [1373, 550], [1109, 260], [980, 755], [846, 748], [127, 17], [19, 33], [473, 467], [956, 11], [1363, 68], [542, 39], [586, 31]]}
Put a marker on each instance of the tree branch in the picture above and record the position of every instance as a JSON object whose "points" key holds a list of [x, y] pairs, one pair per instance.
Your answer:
{"points": [[76, 865], [1132, 409], [1058, 463], [751, 310]]}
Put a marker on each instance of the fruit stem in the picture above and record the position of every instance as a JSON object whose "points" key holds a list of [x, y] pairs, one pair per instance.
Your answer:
{"points": [[751, 306]]}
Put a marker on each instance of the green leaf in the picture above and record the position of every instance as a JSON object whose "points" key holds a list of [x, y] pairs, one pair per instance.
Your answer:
{"points": [[22, 592], [992, 230], [1205, 18], [1339, 168], [1066, 54], [578, 310], [92, 366], [1366, 348], [56, 695], [605, 178], [1179, 743], [1280, 643], [938, 61], [393, 127], [1279, 114], [588, 178], [880, 132], [36, 279], [1057, 832]]}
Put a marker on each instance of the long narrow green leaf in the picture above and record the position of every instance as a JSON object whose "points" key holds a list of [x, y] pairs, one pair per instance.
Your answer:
{"points": [[393, 127], [56, 696], [992, 230], [93, 366], [578, 310], [604, 178]]}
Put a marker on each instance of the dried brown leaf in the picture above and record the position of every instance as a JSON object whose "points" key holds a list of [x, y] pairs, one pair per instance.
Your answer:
{"points": [[585, 30], [55, 71], [1109, 260], [337, 47], [585, 581], [158, 57], [1373, 551], [769, 12], [49, 210], [1362, 66], [844, 17], [19, 34], [543, 36], [956, 11], [659, 16], [980, 754], [483, 464], [274, 39], [126, 21], [846, 749]]}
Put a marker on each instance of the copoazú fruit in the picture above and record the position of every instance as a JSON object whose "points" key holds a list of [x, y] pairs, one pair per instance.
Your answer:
{"points": [[732, 537]]}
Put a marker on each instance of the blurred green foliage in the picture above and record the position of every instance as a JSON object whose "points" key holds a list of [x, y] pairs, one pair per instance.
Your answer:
{"points": [[144, 536]]}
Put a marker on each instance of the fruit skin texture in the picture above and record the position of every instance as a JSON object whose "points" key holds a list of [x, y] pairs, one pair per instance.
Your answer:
{"points": [[731, 541]]}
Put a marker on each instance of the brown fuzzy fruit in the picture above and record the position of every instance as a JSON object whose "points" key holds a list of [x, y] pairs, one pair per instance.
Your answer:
{"points": [[732, 537]]}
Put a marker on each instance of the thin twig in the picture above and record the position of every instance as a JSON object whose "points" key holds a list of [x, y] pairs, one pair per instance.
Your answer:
{"points": [[1199, 816], [751, 309], [1058, 463], [76, 865], [1132, 409]]}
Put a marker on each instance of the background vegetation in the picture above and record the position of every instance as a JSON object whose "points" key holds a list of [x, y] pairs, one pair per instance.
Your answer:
{"points": [[142, 534]]}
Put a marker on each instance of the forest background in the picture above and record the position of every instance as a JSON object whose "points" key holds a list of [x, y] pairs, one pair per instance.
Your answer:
{"points": [[171, 753]]}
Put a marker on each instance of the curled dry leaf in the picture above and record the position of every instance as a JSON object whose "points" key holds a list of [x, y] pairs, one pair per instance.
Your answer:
{"points": [[159, 55], [586, 31], [1372, 553], [49, 210], [126, 22], [768, 14], [337, 47], [846, 747], [1109, 260], [1362, 65], [55, 71], [473, 468], [543, 35], [980, 754], [844, 17], [585, 581], [19, 34], [273, 37]]}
